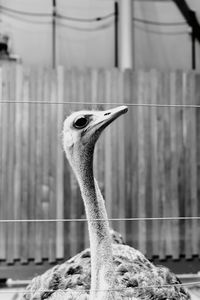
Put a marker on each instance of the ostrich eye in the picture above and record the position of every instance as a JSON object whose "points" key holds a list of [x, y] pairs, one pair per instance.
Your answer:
{"points": [[81, 122]]}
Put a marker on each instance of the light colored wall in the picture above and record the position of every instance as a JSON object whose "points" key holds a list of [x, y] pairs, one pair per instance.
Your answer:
{"points": [[92, 44]]}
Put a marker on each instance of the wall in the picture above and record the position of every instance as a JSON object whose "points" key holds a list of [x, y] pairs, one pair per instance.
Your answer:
{"points": [[147, 162], [91, 44]]}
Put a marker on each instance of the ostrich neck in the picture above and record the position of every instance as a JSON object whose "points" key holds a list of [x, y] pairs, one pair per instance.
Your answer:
{"points": [[102, 269]]}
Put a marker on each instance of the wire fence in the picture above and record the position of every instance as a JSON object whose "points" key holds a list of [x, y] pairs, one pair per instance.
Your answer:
{"points": [[109, 219], [101, 103], [155, 183], [186, 284]]}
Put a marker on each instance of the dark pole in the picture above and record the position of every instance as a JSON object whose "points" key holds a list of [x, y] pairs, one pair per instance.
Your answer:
{"points": [[193, 50], [116, 34], [54, 35]]}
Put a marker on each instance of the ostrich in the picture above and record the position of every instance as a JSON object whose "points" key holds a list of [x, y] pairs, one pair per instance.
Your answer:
{"points": [[117, 271]]}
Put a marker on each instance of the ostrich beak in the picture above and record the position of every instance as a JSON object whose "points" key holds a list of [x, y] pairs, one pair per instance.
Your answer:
{"points": [[106, 117]]}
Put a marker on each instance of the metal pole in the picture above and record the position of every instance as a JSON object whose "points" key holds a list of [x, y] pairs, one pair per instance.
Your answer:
{"points": [[54, 35], [125, 34], [116, 35], [193, 39]]}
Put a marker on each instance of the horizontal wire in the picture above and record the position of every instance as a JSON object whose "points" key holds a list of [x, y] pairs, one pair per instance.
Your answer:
{"points": [[186, 284], [100, 27], [25, 20], [159, 23], [60, 16], [101, 103], [24, 12], [163, 32], [92, 220]]}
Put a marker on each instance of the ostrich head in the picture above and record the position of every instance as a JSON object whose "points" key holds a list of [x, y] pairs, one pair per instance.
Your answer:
{"points": [[82, 129]]}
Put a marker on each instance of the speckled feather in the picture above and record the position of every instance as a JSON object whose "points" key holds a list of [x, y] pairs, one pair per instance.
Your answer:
{"points": [[136, 277]]}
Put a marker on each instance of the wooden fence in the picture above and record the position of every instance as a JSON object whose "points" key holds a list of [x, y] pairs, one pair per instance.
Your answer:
{"points": [[147, 163]]}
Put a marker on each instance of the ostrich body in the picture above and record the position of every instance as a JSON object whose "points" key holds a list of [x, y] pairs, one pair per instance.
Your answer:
{"points": [[108, 271]]}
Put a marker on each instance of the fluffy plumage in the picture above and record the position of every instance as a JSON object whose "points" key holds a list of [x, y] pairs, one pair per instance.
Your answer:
{"points": [[136, 277]]}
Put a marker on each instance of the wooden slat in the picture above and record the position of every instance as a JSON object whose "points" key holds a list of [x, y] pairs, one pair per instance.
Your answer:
{"points": [[24, 169], [161, 168], [197, 99], [167, 209], [193, 165], [141, 164], [2, 231], [53, 168], [147, 162], [180, 149], [147, 153], [39, 165], [133, 112], [18, 157], [154, 162], [32, 162], [45, 185], [10, 165], [174, 126], [59, 165], [4, 160], [187, 170]]}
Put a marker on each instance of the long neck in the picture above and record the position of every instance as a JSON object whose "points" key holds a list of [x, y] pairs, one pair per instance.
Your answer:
{"points": [[102, 269]]}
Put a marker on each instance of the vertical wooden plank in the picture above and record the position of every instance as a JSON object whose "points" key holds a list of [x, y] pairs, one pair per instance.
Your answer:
{"points": [[24, 166], [179, 156], [193, 165], [32, 162], [2, 233], [174, 138], [141, 164], [4, 159], [187, 170], [147, 153], [3, 96], [59, 167], [10, 179], [197, 102], [161, 167], [53, 168], [39, 165], [18, 157], [181, 149], [154, 161], [45, 188], [133, 112], [167, 166]]}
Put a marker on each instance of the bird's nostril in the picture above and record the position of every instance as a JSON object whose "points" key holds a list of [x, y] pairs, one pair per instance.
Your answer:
{"points": [[107, 114]]}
